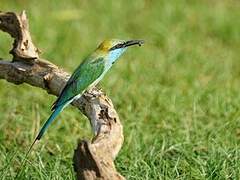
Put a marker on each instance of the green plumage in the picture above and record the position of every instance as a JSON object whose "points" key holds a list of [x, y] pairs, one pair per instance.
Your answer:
{"points": [[87, 72]]}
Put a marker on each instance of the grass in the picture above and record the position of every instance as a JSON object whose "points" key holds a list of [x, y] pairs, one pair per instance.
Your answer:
{"points": [[177, 96]]}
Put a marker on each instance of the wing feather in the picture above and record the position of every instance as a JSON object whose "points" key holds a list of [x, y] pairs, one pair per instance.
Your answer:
{"points": [[81, 79]]}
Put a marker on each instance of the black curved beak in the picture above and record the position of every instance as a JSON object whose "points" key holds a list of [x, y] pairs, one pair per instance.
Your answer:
{"points": [[127, 44]]}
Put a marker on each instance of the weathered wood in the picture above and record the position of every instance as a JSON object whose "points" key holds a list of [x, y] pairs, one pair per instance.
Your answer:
{"points": [[92, 160]]}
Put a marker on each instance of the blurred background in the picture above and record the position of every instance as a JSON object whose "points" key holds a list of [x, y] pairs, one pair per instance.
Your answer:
{"points": [[177, 96]]}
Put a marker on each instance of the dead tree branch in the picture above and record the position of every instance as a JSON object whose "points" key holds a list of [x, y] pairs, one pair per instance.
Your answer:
{"points": [[92, 160]]}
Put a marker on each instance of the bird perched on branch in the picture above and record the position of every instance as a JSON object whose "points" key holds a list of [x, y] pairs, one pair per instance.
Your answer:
{"points": [[87, 75]]}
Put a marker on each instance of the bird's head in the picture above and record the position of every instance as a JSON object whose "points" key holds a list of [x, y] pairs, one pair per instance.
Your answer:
{"points": [[114, 48]]}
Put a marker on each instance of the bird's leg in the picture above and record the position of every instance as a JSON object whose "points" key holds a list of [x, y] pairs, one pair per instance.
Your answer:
{"points": [[95, 92]]}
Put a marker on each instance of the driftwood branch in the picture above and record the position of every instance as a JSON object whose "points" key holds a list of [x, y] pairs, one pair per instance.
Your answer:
{"points": [[92, 160]]}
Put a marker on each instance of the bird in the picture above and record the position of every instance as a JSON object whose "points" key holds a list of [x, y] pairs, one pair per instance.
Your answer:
{"points": [[87, 75]]}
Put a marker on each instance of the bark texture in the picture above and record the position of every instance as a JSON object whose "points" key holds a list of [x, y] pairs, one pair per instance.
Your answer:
{"points": [[92, 159]]}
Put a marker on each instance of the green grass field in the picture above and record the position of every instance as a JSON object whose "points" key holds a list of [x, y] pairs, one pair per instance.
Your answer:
{"points": [[178, 96]]}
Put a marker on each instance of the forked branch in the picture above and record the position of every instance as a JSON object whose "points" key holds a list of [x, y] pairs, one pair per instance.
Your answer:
{"points": [[92, 160]]}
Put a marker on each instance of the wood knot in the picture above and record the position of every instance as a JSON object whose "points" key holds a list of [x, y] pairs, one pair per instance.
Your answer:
{"points": [[25, 43], [104, 115], [46, 79]]}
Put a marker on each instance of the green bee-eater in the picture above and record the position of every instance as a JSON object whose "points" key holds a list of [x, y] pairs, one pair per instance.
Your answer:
{"points": [[87, 75]]}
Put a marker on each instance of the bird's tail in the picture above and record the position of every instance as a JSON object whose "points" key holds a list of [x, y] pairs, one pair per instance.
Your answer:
{"points": [[45, 126], [48, 122], [40, 134]]}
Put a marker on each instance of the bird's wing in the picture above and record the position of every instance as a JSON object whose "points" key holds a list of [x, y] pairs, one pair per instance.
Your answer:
{"points": [[83, 76]]}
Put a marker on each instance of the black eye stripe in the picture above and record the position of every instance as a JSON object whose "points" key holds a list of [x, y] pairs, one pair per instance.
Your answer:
{"points": [[126, 44], [117, 46]]}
